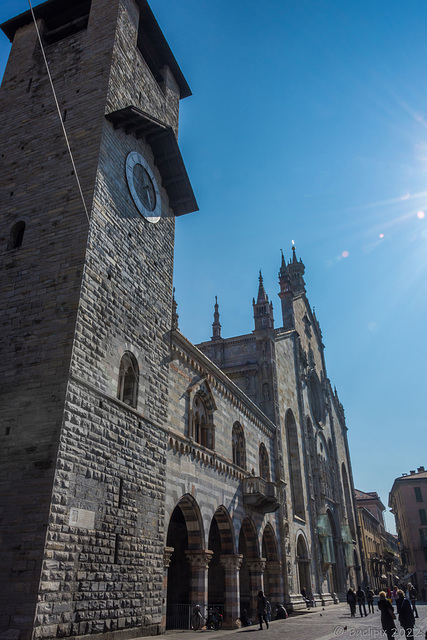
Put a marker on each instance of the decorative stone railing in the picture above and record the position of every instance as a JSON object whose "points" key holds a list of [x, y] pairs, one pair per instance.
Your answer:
{"points": [[260, 495]]}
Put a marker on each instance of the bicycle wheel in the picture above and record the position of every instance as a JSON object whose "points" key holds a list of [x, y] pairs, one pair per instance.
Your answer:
{"points": [[217, 623], [195, 621]]}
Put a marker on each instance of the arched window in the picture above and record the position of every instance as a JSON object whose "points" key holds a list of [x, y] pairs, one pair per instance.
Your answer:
{"points": [[348, 501], [16, 235], [264, 463], [295, 471], [203, 428], [127, 390], [239, 446]]}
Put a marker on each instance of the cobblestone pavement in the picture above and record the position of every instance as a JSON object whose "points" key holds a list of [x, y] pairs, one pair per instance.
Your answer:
{"points": [[317, 624]]}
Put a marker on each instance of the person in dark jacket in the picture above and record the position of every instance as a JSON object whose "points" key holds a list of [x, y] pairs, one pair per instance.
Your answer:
{"points": [[387, 616], [405, 613], [360, 595], [351, 601], [370, 599], [262, 609], [413, 596]]}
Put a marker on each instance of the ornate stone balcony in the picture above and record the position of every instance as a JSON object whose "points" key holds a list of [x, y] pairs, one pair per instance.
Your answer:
{"points": [[260, 495]]}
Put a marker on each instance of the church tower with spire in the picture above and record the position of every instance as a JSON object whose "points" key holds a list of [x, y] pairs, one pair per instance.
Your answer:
{"points": [[291, 283], [283, 372]]}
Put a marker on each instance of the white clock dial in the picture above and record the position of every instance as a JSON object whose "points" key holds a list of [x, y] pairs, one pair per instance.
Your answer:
{"points": [[143, 187]]}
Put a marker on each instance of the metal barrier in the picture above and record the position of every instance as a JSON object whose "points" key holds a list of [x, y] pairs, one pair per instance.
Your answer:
{"points": [[178, 616]]}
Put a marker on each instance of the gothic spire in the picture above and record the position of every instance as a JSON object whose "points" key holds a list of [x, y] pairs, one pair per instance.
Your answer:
{"points": [[262, 296], [216, 327]]}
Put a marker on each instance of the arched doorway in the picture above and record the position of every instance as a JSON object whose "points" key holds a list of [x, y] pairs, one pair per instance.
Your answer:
{"points": [[185, 535], [303, 562]]}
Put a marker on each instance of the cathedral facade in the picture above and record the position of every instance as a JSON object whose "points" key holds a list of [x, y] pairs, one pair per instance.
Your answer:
{"points": [[141, 475]]}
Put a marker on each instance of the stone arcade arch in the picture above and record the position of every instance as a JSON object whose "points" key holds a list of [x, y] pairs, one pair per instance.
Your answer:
{"points": [[251, 571], [187, 560], [273, 580], [223, 583]]}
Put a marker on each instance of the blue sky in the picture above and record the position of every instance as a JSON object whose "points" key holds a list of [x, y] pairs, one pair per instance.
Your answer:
{"points": [[308, 124]]}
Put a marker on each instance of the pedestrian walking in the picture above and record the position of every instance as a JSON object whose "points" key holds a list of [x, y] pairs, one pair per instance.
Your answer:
{"points": [[405, 613], [351, 601], [413, 596], [370, 599], [262, 609], [360, 595], [387, 616]]}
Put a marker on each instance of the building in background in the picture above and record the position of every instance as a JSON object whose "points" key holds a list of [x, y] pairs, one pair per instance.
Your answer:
{"points": [[379, 546], [408, 503], [141, 475]]}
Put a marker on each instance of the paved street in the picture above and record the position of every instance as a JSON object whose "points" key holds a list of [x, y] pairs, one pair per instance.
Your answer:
{"points": [[317, 624]]}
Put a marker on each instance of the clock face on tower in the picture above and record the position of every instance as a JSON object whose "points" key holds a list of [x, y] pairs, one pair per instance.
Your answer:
{"points": [[143, 187]]}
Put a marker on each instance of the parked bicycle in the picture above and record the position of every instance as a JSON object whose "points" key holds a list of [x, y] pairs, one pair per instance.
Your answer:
{"points": [[213, 621]]}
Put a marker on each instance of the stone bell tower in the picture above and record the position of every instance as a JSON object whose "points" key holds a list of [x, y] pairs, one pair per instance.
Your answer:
{"points": [[86, 297]]}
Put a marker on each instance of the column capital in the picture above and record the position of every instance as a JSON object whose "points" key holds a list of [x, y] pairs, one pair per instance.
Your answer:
{"points": [[256, 564], [231, 560], [167, 555], [199, 557]]}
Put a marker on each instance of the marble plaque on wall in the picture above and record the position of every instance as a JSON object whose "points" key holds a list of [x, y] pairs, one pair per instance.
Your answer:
{"points": [[82, 518]]}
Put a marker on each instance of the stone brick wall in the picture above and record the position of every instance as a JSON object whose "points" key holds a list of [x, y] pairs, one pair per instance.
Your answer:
{"points": [[40, 284], [76, 297], [106, 576], [210, 476]]}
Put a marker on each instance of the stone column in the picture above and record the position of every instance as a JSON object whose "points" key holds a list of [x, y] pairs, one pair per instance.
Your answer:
{"points": [[199, 560], [167, 555], [231, 564], [274, 570], [256, 580]]}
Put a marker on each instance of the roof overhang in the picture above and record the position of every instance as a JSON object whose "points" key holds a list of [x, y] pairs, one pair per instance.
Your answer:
{"points": [[167, 155], [53, 12], [63, 15]]}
